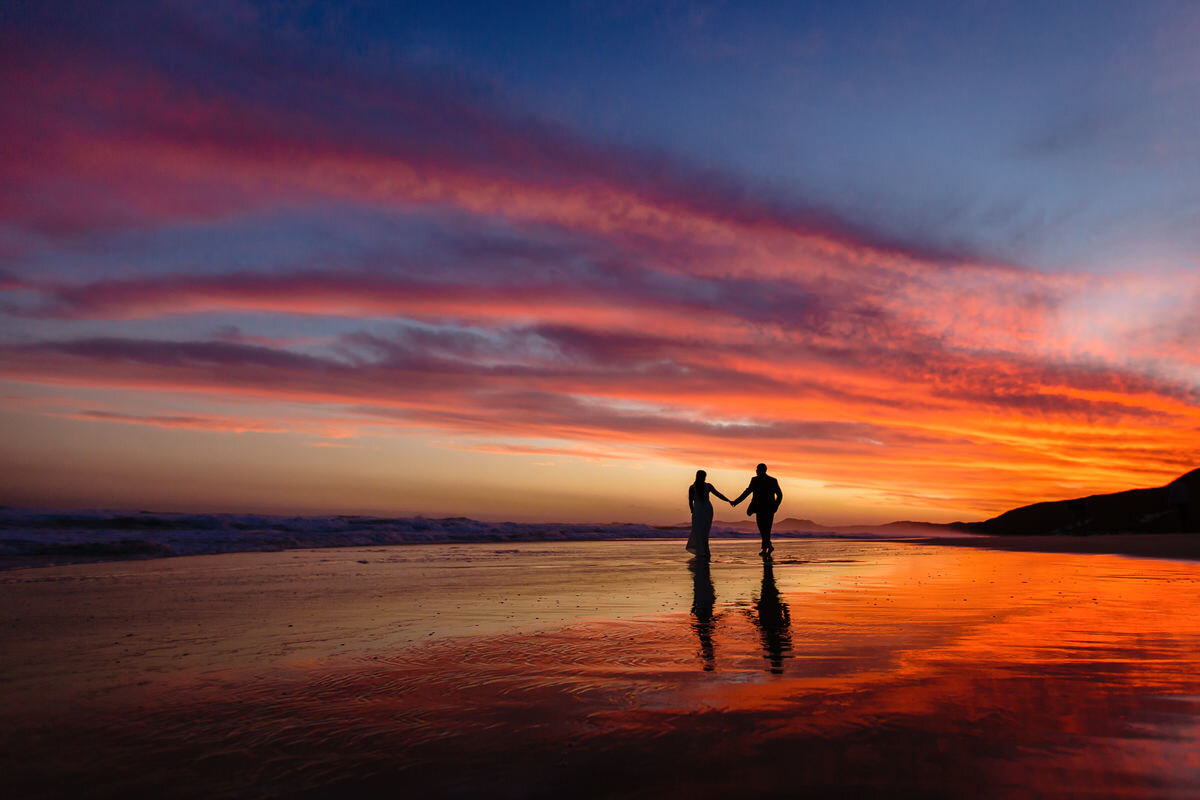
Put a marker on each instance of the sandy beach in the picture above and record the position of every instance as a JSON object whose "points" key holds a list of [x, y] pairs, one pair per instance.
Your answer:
{"points": [[604, 669]]}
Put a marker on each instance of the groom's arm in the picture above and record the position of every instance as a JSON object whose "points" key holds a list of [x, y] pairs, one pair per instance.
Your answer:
{"points": [[741, 496], [778, 495]]}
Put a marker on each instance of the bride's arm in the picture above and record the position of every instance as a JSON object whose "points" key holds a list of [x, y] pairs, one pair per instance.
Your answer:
{"points": [[718, 494]]}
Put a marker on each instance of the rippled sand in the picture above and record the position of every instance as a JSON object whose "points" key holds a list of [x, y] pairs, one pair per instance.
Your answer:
{"points": [[604, 669]]}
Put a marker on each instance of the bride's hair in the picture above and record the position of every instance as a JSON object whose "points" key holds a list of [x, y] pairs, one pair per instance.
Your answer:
{"points": [[701, 475]]}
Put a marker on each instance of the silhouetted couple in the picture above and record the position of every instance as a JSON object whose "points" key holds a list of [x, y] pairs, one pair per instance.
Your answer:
{"points": [[765, 497]]}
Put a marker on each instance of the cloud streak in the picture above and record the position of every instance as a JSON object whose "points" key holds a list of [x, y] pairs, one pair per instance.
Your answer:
{"points": [[663, 396], [636, 303], [162, 144]]}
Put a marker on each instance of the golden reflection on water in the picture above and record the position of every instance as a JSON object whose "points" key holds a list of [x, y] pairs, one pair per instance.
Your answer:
{"points": [[838, 667]]}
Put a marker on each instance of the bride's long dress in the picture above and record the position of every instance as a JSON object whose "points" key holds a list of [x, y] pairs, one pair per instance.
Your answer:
{"points": [[702, 518]]}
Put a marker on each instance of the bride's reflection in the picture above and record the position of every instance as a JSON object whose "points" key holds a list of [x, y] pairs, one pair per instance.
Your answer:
{"points": [[704, 597], [770, 616]]}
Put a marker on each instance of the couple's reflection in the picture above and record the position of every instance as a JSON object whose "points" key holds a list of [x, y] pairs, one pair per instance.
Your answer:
{"points": [[704, 597], [774, 623], [770, 615]]}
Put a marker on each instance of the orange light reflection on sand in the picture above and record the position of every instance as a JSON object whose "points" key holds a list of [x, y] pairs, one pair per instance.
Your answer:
{"points": [[879, 666]]}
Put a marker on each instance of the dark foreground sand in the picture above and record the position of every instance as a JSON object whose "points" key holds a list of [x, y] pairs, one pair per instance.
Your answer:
{"points": [[611, 669]]}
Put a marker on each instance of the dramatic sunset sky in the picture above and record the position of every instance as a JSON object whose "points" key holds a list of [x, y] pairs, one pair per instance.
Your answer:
{"points": [[543, 261]]}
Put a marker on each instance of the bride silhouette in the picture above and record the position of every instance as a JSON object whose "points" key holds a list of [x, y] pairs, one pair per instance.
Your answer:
{"points": [[702, 513]]}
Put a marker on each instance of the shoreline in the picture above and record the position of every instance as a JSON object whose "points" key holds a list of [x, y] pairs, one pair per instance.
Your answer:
{"points": [[1173, 546], [41, 555]]}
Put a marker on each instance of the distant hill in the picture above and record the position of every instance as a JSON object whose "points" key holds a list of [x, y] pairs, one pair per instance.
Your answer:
{"points": [[1174, 508], [789, 524], [890, 529]]}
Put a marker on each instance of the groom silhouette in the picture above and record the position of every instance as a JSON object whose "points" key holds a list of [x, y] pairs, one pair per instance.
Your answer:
{"points": [[765, 502]]}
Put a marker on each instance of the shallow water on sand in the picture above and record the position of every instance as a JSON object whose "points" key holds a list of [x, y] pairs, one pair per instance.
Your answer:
{"points": [[605, 669]]}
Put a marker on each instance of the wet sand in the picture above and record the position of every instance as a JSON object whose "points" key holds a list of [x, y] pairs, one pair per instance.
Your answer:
{"points": [[604, 669]]}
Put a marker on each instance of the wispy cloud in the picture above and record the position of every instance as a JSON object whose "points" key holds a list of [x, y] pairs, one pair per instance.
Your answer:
{"points": [[201, 423]]}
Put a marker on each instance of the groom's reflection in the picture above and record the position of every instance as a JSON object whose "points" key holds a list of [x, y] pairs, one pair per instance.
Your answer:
{"points": [[770, 616], [704, 597]]}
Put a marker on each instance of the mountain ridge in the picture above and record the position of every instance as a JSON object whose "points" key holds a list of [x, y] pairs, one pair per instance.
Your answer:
{"points": [[1171, 508]]}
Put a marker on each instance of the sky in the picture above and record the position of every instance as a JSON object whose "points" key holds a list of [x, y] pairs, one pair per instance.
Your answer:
{"points": [[542, 261]]}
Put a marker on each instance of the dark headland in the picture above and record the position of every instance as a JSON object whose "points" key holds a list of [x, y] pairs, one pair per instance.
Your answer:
{"points": [[1153, 522], [1164, 509]]}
